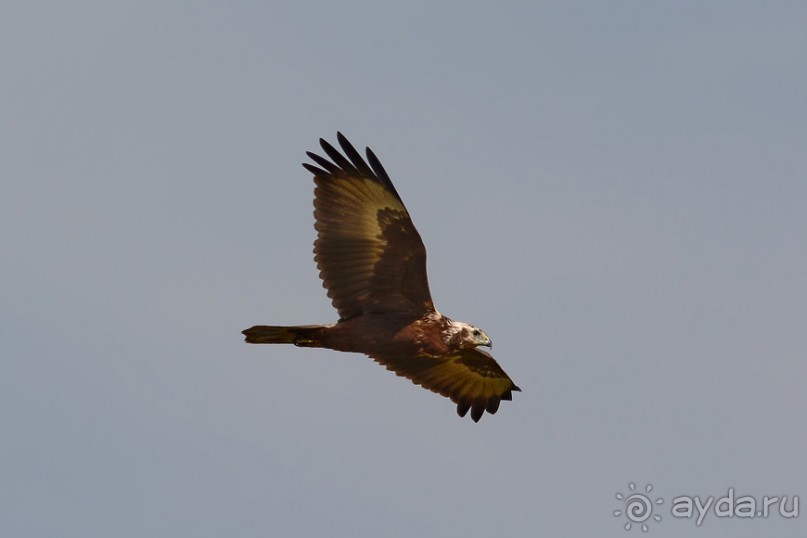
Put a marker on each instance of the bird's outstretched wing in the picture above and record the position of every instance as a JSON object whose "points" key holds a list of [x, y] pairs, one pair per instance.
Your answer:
{"points": [[370, 256], [471, 378]]}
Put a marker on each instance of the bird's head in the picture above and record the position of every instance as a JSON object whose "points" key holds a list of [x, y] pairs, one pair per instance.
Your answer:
{"points": [[466, 336]]}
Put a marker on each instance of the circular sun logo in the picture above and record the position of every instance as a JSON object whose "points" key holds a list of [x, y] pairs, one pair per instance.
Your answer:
{"points": [[638, 507]]}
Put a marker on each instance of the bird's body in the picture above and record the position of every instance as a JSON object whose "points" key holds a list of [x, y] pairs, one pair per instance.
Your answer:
{"points": [[373, 263], [432, 335]]}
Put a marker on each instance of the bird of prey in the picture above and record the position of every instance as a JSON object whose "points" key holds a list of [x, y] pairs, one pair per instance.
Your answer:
{"points": [[373, 264]]}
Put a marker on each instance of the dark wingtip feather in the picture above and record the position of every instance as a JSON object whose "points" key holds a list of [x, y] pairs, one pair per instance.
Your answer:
{"points": [[515, 388], [477, 410], [493, 405], [376, 165], [338, 159], [380, 173], [354, 156], [462, 408], [327, 147], [314, 170], [323, 162]]}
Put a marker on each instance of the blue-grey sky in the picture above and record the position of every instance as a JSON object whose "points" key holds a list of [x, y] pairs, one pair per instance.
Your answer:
{"points": [[614, 191]]}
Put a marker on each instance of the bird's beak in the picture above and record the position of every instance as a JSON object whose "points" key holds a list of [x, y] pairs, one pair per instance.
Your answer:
{"points": [[488, 343]]}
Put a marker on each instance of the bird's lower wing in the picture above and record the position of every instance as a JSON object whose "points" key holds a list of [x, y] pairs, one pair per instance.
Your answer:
{"points": [[471, 378]]}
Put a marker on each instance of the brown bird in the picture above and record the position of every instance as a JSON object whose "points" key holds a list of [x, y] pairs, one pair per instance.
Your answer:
{"points": [[373, 264]]}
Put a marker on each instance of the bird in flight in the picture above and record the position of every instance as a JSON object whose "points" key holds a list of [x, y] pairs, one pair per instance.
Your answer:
{"points": [[373, 263]]}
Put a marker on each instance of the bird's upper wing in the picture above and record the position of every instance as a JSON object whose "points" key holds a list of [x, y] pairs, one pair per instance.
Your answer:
{"points": [[471, 378], [370, 256]]}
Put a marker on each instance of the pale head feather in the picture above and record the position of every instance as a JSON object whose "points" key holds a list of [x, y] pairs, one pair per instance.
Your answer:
{"points": [[464, 335]]}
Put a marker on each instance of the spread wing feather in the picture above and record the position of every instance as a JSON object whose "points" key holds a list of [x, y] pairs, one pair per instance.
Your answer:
{"points": [[370, 256], [471, 378]]}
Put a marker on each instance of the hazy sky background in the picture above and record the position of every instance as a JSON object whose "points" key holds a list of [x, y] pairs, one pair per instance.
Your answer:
{"points": [[614, 191]]}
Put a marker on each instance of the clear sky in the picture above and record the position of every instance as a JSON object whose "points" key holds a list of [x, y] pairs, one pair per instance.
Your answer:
{"points": [[615, 191]]}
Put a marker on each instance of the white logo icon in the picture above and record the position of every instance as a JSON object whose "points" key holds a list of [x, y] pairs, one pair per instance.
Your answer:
{"points": [[638, 507]]}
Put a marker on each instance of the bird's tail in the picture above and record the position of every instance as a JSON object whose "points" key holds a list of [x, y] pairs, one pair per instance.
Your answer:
{"points": [[300, 335]]}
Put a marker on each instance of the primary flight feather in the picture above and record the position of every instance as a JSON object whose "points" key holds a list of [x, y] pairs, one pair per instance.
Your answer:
{"points": [[373, 264]]}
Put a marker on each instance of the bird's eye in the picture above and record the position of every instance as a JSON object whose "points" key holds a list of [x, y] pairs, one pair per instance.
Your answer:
{"points": [[476, 332]]}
